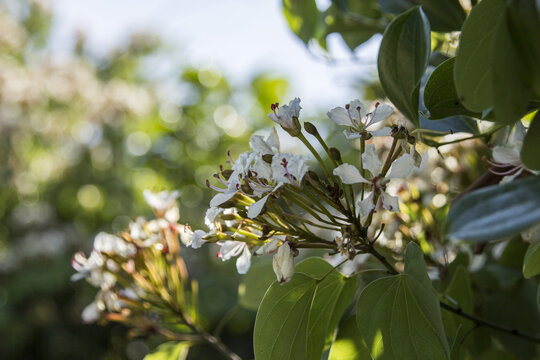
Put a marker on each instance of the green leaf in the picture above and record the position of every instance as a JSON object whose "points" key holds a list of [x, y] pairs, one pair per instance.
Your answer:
{"points": [[440, 95], [524, 26], [255, 284], [538, 298], [295, 319], [531, 145], [355, 21], [302, 17], [400, 319], [415, 265], [510, 89], [170, 351], [349, 345], [531, 263], [444, 16], [495, 212], [472, 70], [455, 124], [403, 58], [460, 292]]}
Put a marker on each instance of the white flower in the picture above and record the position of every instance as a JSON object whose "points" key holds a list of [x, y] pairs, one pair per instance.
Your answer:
{"points": [[354, 116], [509, 156], [240, 169], [113, 245], [401, 168], [283, 263], [264, 146], [192, 239], [289, 169], [230, 249], [268, 248], [162, 202], [90, 313], [210, 217], [286, 115]]}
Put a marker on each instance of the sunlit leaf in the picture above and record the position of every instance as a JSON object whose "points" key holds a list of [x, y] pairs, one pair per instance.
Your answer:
{"points": [[302, 17], [400, 319], [495, 212], [170, 351], [349, 344], [295, 319], [403, 58]]}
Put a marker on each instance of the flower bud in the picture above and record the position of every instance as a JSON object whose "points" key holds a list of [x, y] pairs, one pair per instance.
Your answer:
{"points": [[310, 128], [334, 154], [283, 263]]}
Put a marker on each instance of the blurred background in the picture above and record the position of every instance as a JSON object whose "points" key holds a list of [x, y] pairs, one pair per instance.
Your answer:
{"points": [[100, 100]]}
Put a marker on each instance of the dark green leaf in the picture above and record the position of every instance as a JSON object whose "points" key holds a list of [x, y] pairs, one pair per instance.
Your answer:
{"points": [[444, 16], [510, 89], [400, 319], [524, 27], [531, 145], [440, 95], [454, 124], [459, 293], [295, 319], [403, 58], [170, 351], [472, 70], [303, 17], [415, 265], [495, 212], [538, 298], [531, 263], [254, 284], [349, 345]]}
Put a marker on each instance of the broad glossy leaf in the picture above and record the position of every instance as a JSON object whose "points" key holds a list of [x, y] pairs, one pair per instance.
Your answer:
{"points": [[295, 319], [282, 320], [440, 95], [455, 124], [400, 319], [495, 212], [416, 266], [444, 16], [349, 345], [460, 292], [510, 89], [255, 284], [531, 262], [524, 25], [169, 351], [302, 17], [531, 145], [472, 70], [403, 58]]}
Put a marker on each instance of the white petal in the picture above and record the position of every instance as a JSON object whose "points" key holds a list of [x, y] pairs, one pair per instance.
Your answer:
{"points": [[244, 261], [519, 134], [371, 161], [258, 144], [273, 140], [385, 131], [351, 135], [358, 111], [340, 116], [230, 249], [197, 239], [402, 167], [90, 313], [366, 206], [283, 263], [510, 178], [389, 202], [256, 208], [349, 174], [210, 217], [380, 113], [268, 248], [173, 214], [504, 155], [220, 198]]}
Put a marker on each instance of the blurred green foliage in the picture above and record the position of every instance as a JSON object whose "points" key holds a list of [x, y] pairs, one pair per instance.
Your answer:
{"points": [[80, 138]]}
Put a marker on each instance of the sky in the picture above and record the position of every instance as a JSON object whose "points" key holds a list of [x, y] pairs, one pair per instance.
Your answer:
{"points": [[240, 37]]}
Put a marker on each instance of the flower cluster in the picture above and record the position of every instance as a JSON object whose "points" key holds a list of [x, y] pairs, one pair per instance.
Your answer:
{"points": [[139, 273], [269, 202]]}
